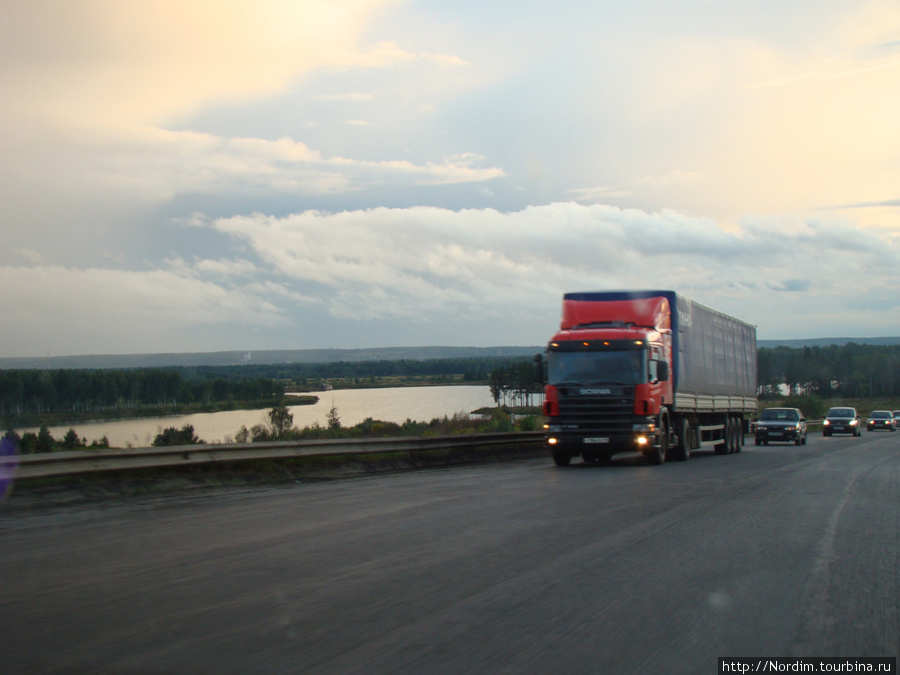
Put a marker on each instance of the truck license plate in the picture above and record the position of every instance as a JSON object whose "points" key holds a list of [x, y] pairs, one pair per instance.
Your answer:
{"points": [[597, 439]]}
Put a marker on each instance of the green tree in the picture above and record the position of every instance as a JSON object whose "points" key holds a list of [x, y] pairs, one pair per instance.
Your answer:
{"points": [[173, 436], [334, 421], [71, 441], [28, 444], [281, 421], [45, 441]]}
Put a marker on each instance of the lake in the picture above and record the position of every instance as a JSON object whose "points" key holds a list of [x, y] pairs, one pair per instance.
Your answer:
{"points": [[420, 404]]}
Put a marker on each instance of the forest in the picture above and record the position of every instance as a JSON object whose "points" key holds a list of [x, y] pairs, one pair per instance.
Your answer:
{"points": [[78, 391], [832, 371]]}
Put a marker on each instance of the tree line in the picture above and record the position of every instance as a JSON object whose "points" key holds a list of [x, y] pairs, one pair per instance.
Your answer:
{"points": [[832, 371], [514, 385], [76, 391], [467, 369]]}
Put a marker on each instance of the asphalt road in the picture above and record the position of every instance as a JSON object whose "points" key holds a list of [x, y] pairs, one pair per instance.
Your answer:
{"points": [[517, 567]]}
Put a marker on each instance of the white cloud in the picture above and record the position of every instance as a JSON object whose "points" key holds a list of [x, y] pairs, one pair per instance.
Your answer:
{"points": [[153, 165], [458, 274], [425, 263]]}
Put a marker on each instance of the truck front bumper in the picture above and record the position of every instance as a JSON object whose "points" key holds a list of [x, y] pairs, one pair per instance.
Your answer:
{"points": [[599, 444]]}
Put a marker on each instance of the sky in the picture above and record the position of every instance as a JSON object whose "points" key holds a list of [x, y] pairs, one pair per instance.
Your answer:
{"points": [[210, 175]]}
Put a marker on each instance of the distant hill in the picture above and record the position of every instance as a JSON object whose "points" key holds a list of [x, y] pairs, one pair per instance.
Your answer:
{"points": [[121, 361], [822, 342]]}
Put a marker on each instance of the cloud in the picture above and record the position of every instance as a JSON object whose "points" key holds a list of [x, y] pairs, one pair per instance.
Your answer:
{"points": [[422, 264], [147, 61], [91, 311], [866, 205], [31, 255], [473, 276], [153, 165]]}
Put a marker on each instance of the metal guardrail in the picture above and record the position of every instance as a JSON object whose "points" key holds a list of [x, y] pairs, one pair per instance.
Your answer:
{"points": [[76, 462]]}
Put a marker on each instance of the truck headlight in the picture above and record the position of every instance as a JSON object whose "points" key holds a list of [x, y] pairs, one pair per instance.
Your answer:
{"points": [[643, 428]]}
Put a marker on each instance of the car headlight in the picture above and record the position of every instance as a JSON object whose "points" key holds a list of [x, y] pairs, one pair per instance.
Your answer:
{"points": [[854, 422], [826, 423]]}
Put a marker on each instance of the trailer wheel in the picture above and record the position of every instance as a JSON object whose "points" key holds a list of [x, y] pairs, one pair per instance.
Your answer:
{"points": [[561, 458], [735, 435]]}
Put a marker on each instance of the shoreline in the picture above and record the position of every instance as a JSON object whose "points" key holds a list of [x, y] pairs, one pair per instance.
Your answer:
{"points": [[31, 420]]}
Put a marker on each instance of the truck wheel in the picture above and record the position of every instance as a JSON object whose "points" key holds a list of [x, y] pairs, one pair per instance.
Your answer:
{"points": [[658, 455], [683, 451], [561, 458]]}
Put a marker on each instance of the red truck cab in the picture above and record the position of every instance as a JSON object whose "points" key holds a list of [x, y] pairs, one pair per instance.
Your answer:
{"points": [[608, 377]]}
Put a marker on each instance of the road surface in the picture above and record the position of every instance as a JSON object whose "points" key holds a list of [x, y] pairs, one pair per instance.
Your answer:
{"points": [[517, 567]]}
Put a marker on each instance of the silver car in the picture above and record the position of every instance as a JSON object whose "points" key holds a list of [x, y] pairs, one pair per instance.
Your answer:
{"points": [[781, 425], [881, 419]]}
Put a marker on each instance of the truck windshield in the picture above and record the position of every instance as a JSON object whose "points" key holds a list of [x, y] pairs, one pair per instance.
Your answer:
{"points": [[597, 367]]}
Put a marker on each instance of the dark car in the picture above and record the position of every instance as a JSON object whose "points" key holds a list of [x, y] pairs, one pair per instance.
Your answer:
{"points": [[881, 419], [781, 425], [841, 421]]}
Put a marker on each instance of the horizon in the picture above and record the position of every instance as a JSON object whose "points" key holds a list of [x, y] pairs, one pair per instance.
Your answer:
{"points": [[189, 359]]}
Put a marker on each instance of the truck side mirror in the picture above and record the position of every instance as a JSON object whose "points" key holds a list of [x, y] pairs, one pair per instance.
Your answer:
{"points": [[539, 369], [662, 370]]}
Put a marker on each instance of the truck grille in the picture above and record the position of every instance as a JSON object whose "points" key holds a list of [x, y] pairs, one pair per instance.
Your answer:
{"points": [[605, 414]]}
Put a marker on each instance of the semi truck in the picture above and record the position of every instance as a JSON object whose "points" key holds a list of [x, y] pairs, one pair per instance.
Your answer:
{"points": [[646, 371]]}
